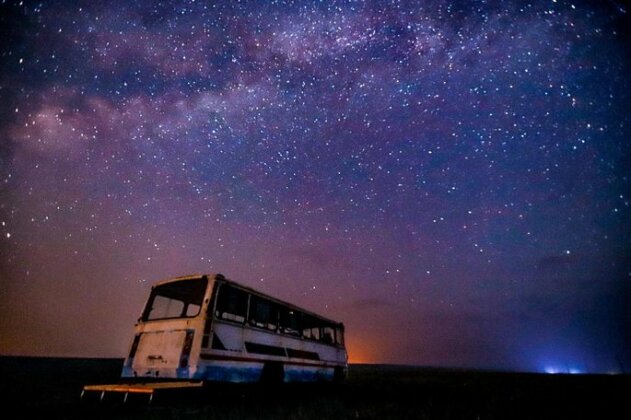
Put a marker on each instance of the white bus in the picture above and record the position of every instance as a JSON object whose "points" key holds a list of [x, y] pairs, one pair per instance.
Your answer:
{"points": [[209, 328]]}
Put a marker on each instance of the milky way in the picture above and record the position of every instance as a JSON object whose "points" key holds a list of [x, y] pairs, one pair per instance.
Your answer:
{"points": [[450, 179]]}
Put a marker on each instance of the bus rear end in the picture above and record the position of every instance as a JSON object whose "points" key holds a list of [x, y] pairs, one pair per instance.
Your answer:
{"points": [[169, 332]]}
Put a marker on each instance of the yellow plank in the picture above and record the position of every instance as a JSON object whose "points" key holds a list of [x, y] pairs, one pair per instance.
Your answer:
{"points": [[143, 388]]}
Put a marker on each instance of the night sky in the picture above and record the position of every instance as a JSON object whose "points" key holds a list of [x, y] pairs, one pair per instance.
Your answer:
{"points": [[451, 179]]}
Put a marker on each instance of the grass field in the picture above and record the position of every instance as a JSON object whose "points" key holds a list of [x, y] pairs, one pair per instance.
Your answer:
{"points": [[50, 388]]}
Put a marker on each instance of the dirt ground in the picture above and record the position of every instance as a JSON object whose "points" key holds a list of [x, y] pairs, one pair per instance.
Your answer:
{"points": [[50, 389]]}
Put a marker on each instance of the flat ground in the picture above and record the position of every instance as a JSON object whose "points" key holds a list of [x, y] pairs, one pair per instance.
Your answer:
{"points": [[50, 388]]}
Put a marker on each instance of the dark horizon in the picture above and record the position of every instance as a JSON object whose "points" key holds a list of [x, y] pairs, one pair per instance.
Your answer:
{"points": [[449, 179], [386, 366]]}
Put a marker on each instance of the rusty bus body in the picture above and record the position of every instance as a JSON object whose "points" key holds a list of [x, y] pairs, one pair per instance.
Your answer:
{"points": [[209, 328]]}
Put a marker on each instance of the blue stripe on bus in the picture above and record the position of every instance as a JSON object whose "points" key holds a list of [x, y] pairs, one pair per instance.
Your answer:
{"points": [[253, 374], [308, 375], [229, 373], [235, 373]]}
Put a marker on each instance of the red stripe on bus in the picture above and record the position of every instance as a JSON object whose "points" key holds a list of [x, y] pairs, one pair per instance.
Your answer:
{"points": [[251, 359]]}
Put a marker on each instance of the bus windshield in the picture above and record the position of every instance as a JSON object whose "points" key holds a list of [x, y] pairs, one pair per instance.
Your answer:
{"points": [[178, 299]]}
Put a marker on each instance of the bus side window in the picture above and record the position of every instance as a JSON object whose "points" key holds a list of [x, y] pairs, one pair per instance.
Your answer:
{"points": [[339, 336], [263, 313], [290, 321], [231, 304], [310, 328], [272, 321], [328, 335]]}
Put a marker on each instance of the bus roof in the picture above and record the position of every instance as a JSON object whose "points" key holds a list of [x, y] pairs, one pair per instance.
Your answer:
{"points": [[222, 278]]}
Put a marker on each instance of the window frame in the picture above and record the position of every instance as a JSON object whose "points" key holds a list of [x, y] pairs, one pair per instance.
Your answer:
{"points": [[218, 315], [278, 307], [186, 304]]}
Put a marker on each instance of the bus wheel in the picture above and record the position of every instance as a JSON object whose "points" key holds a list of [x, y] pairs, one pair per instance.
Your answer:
{"points": [[273, 373], [338, 375]]}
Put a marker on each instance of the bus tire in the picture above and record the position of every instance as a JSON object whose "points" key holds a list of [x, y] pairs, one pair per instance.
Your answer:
{"points": [[338, 375], [273, 373]]}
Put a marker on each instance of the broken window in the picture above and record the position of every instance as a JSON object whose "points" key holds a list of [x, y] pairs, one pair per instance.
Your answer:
{"points": [[339, 335], [290, 321], [178, 299], [232, 304], [263, 313], [311, 327], [328, 334]]}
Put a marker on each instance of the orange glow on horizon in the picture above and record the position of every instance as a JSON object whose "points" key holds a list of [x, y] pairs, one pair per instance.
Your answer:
{"points": [[361, 351]]}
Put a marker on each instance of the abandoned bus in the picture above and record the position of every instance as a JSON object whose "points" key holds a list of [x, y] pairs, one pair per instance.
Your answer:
{"points": [[209, 328]]}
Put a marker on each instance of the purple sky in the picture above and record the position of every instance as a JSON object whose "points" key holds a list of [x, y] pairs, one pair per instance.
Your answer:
{"points": [[449, 179]]}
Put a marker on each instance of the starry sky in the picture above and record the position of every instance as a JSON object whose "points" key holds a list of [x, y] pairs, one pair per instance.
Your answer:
{"points": [[448, 178]]}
